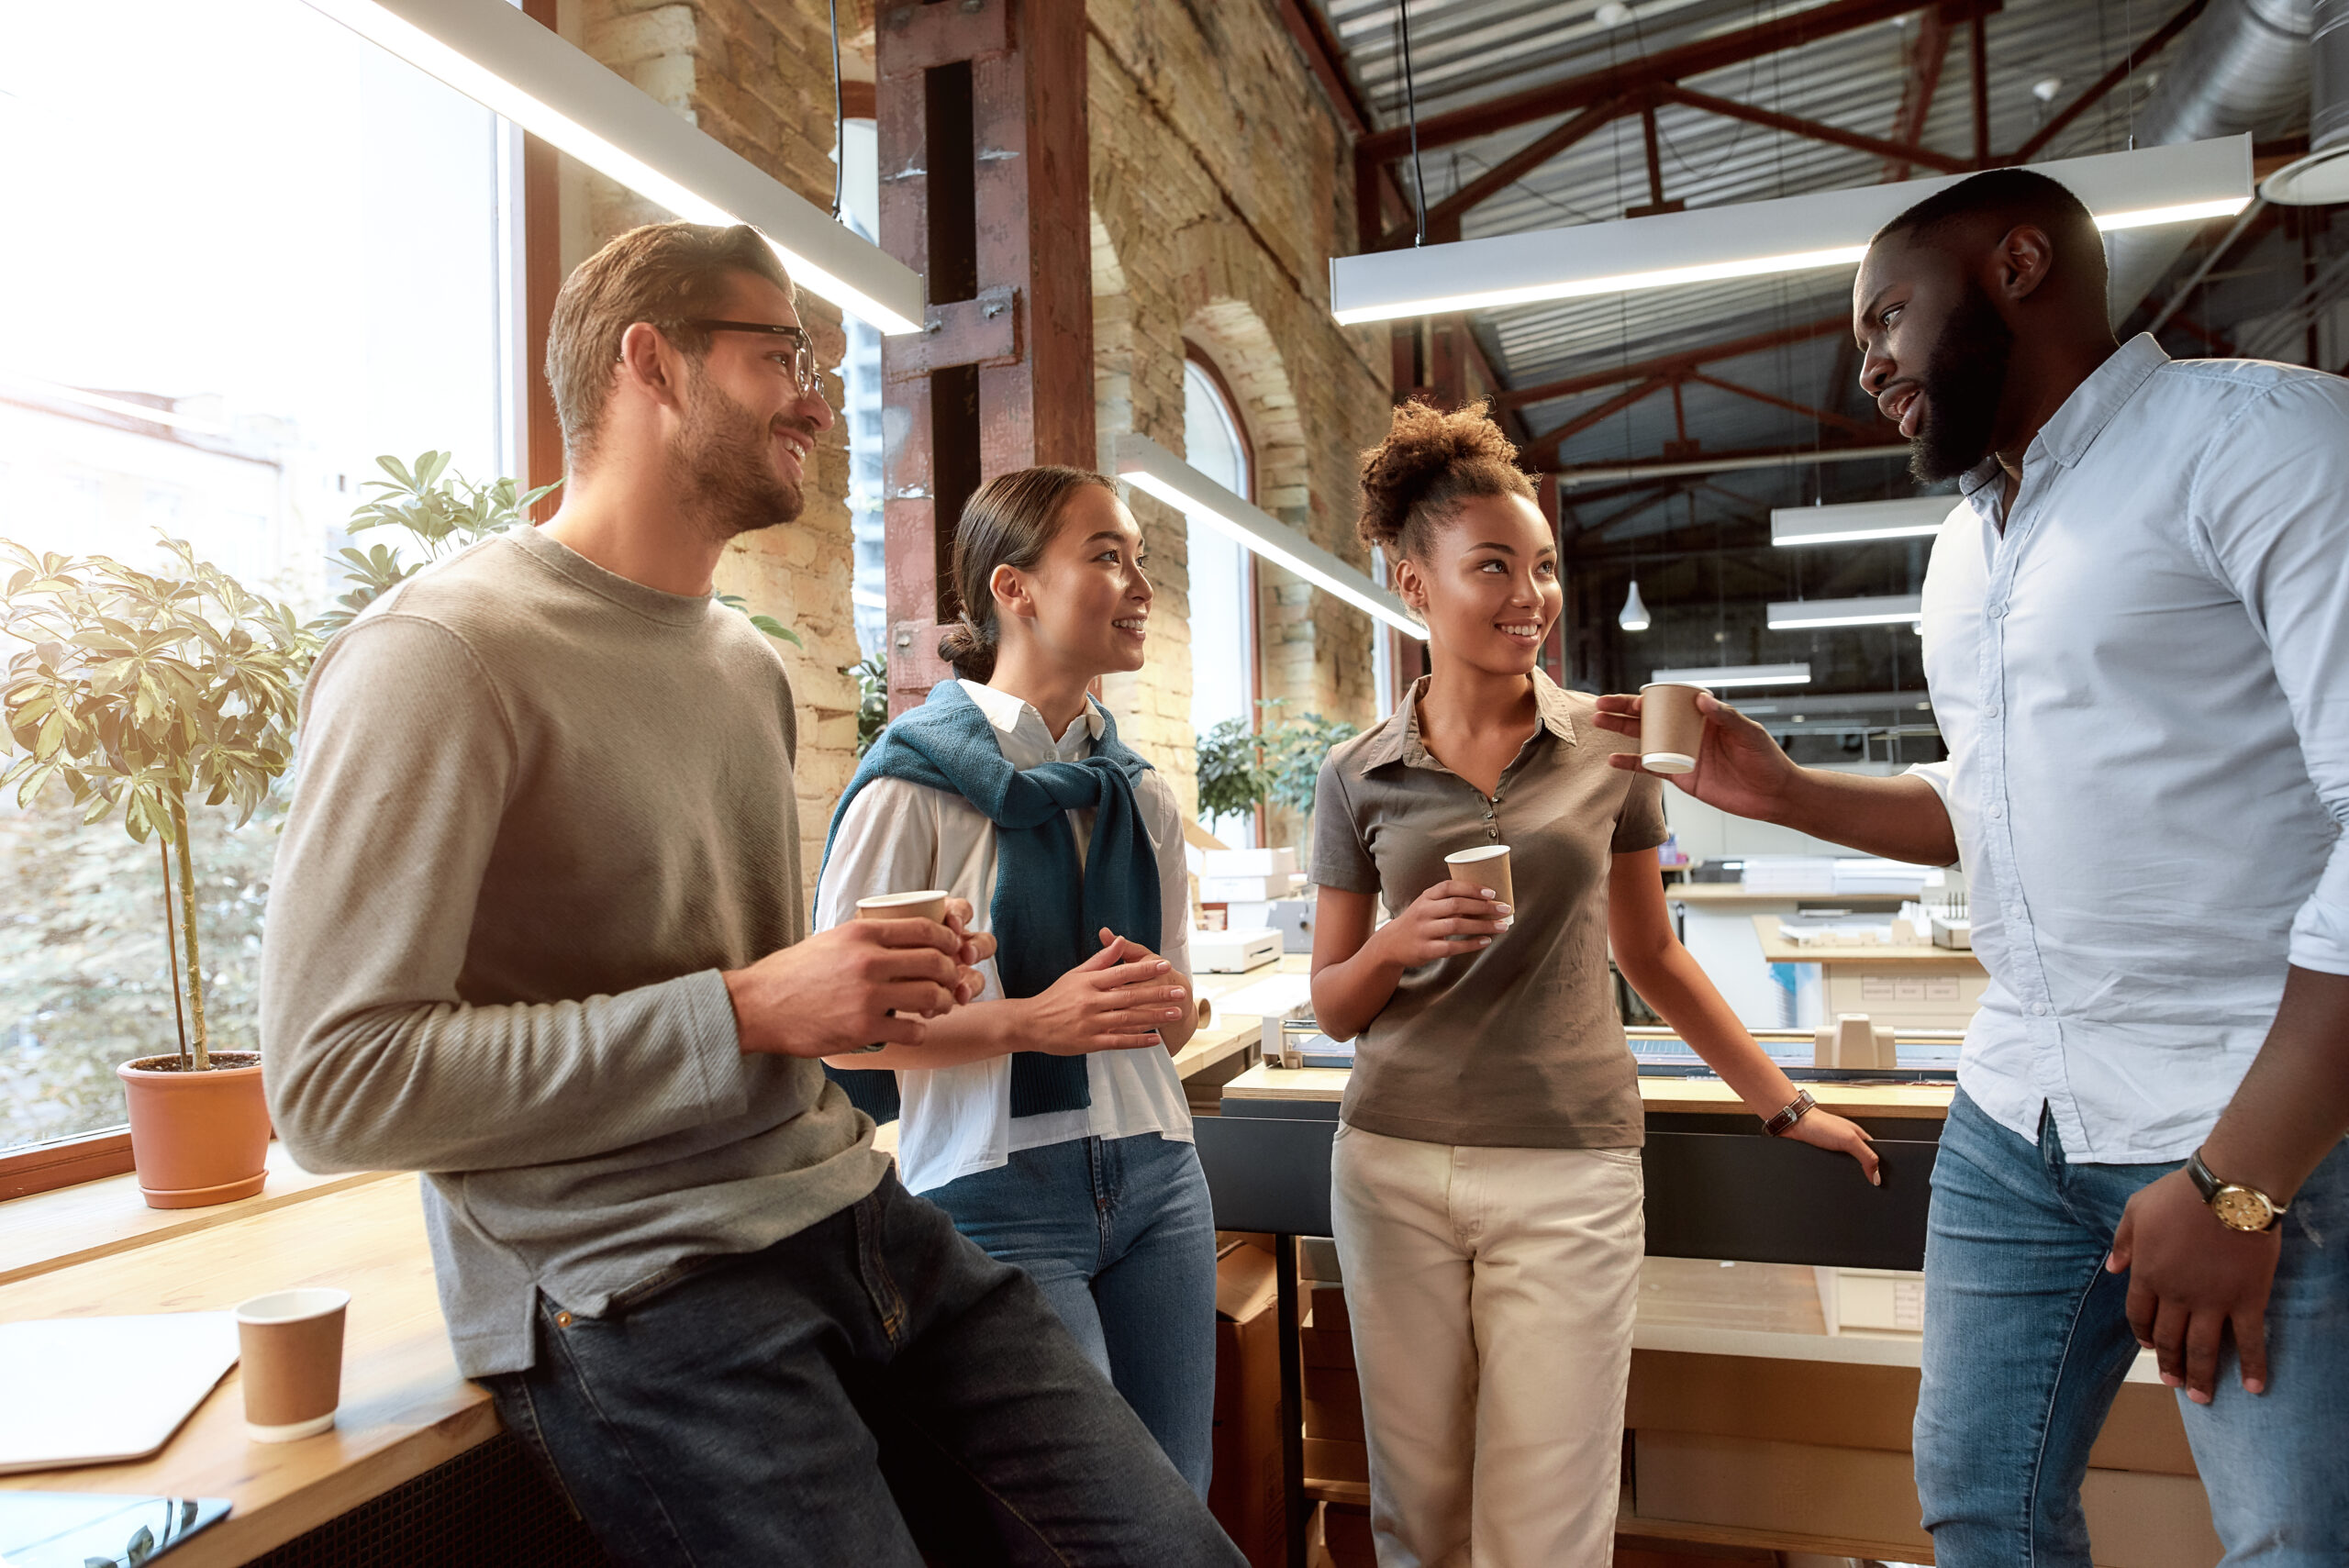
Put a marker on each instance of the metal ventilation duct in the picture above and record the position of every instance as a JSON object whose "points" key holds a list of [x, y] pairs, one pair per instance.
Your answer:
{"points": [[2244, 66], [2323, 175]]}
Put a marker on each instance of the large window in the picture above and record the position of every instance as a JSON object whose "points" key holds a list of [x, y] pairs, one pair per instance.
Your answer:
{"points": [[248, 252], [1223, 620]]}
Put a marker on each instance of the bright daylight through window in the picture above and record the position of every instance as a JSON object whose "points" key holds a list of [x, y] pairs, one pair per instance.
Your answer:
{"points": [[1224, 621], [257, 252]]}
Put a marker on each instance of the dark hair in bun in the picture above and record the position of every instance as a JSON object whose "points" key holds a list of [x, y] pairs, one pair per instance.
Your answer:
{"points": [[1429, 463], [1007, 521]]}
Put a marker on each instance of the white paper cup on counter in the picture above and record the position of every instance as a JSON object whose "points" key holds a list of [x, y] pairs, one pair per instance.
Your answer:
{"points": [[291, 1344]]}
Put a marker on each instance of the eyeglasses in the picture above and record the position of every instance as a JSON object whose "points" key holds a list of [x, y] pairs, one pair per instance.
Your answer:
{"points": [[803, 349]]}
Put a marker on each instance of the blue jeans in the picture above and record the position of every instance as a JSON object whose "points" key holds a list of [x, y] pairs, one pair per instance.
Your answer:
{"points": [[2026, 1344], [870, 1390], [1119, 1233]]}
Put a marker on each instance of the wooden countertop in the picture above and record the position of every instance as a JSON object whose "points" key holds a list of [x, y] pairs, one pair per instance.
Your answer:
{"points": [[1702, 1096], [1735, 893], [1778, 949], [405, 1408]]}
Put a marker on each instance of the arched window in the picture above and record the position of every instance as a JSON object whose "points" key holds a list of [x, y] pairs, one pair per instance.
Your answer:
{"points": [[1223, 622]]}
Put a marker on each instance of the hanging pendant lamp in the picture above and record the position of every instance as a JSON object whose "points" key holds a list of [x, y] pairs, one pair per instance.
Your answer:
{"points": [[1635, 610]]}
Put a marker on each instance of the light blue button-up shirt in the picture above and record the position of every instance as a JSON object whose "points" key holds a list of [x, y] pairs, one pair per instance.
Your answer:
{"points": [[2143, 682]]}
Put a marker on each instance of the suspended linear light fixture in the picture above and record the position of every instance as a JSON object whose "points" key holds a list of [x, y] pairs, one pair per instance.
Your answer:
{"points": [[1723, 675], [1151, 468], [1827, 229], [1635, 610], [1817, 615], [1856, 521], [494, 54]]}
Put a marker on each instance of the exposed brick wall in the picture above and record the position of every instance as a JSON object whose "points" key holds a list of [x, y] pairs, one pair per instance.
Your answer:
{"points": [[756, 74], [1219, 186]]}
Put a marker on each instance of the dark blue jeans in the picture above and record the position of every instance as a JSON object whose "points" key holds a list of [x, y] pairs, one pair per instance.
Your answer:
{"points": [[2026, 1343], [869, 1391], [1119, 1233]]}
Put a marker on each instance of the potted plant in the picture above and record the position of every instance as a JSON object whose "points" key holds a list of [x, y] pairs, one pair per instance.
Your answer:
{"points": [[136, 692], [1241, 769]]}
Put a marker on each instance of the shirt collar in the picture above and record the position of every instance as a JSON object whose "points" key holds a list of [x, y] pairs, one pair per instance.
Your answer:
{"points": [[2074, 427], [1399, 740], [1012, 716]]}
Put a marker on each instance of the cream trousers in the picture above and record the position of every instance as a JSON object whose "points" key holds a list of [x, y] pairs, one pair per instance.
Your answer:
{"points": [[1492, 1293]]}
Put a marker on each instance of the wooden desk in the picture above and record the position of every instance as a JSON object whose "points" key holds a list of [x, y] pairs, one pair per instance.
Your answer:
{"points": [[1698, 1096], [1731, 894], [1920, 987], [405, 1408]]}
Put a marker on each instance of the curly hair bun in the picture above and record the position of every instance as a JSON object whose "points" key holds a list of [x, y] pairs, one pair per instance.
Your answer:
{"points": [[1429, 463]]}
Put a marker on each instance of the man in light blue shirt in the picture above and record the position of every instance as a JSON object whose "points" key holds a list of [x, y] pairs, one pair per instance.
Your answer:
{"points": [[2136, 630]]}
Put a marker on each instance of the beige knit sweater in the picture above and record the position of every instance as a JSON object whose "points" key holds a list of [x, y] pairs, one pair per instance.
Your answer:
{"points": [[541, 807]]}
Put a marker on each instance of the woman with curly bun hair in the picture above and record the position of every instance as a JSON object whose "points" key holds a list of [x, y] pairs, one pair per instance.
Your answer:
{"points": [[1485, 1177], [1046, 1116]]}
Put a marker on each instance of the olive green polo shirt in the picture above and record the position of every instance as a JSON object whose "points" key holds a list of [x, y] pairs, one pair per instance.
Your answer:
{"points": [[1519, 1044]]}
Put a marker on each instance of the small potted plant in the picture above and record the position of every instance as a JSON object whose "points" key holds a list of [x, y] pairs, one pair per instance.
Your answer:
{"points": [[1241, 769], [136, 692]]}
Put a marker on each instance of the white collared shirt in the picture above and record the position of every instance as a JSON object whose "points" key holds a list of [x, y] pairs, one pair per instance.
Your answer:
{"points": [[2144, 687], [898, 837]]}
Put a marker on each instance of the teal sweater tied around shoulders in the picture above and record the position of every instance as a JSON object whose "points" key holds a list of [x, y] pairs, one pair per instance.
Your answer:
{"points": [[1040, 930]]}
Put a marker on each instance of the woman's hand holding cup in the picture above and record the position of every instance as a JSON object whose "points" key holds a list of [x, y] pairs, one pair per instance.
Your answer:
{"points": [[1447, 919]]}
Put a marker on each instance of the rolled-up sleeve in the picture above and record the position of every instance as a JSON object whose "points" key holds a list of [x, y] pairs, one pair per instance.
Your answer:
{"points": [[2276, 530]]}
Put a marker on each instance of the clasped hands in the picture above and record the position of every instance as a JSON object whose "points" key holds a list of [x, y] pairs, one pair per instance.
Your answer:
{"points": [[865, 980]]}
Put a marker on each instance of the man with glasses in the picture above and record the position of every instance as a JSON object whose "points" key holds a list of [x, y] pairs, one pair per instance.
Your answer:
{"points": [[539, 932]]}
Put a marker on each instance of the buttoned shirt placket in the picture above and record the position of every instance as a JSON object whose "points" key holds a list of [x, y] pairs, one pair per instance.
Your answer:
{"points": [[1994, 813]]}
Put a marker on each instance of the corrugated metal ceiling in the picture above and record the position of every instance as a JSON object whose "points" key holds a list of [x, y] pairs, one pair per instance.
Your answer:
{"points": [[1467, 51]]}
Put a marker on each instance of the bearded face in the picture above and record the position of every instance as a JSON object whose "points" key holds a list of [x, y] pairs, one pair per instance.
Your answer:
{"points": [[723, 460], [1964, 381]]}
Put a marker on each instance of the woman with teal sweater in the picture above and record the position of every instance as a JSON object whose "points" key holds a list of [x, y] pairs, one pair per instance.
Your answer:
{"points": [[1046, 1116]]}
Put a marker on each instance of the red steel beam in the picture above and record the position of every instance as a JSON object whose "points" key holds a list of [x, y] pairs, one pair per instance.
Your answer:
{"points": [[1666, 365], [1694, 59], [1917, 95], [1542, 450], [1816, 130], [1746, 457], [1978, 59], [1842, 421], [2155, 43], [1444, 218]]}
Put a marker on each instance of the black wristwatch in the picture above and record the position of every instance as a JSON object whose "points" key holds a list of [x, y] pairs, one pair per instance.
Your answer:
{"points": [[2238, 1207]]}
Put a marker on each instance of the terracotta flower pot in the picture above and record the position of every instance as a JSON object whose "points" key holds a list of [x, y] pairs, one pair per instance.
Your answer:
{"points": [[196, 1138]]}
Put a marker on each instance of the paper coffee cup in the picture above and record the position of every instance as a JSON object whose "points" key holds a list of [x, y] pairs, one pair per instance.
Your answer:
{"points": [[928, 904], [291, 1344], [1486, 866], [1672, 732]]}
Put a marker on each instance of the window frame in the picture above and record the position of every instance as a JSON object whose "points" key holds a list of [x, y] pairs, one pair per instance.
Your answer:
{"points": [[1195, 355], [31, 1169]]}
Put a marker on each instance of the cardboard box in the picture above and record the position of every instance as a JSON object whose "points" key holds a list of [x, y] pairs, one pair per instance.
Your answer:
{"points": [[1245, 1495], [1345, 1536], [1248, 862], [1336, 1459], [1238, 889]]}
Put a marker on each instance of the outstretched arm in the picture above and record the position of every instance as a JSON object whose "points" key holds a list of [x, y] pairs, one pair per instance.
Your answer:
{"points": [[1639, 929], [1741, 771]]}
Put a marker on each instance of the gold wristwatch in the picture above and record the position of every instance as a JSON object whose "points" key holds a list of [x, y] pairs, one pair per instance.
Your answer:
{"points": [[2238, 1207]]}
